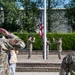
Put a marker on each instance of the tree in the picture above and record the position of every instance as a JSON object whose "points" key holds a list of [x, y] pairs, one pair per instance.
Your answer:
{"points": [[50, 4], [70, 13], [10, 9], [30, 15]]}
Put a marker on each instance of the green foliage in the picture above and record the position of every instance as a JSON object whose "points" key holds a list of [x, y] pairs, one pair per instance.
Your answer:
{"points": [[19, 20], [68, 40], [10, 10], [70, 13], [22, 36], [38, 44], [30, 16]]}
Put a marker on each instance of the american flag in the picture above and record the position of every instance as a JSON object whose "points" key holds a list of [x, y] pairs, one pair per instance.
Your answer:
{"points": [[41, 33]]}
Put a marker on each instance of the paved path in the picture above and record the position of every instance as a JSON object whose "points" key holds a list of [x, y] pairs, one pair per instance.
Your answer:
{"points": [[39, 59], [37, 73]]}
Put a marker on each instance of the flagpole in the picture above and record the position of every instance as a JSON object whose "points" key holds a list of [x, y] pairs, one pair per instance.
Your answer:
{"points": [[45, 29]]}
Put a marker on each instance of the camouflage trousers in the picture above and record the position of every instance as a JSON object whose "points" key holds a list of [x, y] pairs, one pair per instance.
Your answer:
{"points": [[66, 72], [4, 68], [72, 69], [29, 53]]}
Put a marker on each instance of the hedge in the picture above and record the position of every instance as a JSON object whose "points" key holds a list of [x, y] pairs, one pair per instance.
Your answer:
{"points": [[68, 40]]}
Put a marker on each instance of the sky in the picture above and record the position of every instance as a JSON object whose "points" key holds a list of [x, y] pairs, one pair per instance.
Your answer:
{"points": [[61, 6]]}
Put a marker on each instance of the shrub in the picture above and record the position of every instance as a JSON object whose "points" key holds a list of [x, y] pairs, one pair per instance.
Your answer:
{"points": [[68, 40]]}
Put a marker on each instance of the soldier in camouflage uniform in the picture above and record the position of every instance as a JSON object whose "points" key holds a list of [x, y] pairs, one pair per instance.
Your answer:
{"points": [[3, 58], [30, 45], [59, 46], [5, 45], [68, 65], [47, 48]]}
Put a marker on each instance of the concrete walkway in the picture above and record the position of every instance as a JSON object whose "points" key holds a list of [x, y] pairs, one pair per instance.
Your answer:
{"points": [[37, 73], [39, 59]]}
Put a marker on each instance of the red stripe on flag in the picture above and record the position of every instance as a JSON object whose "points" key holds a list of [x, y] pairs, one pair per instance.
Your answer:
{"points": [[41, 30]]}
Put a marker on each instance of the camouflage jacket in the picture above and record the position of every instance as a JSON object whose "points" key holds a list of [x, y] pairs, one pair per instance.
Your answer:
{"points": [[5, 45], [68, 65]]}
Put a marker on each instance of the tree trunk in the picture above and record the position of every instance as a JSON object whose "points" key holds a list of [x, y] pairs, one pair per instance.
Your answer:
{"points": [[49, 16]]}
